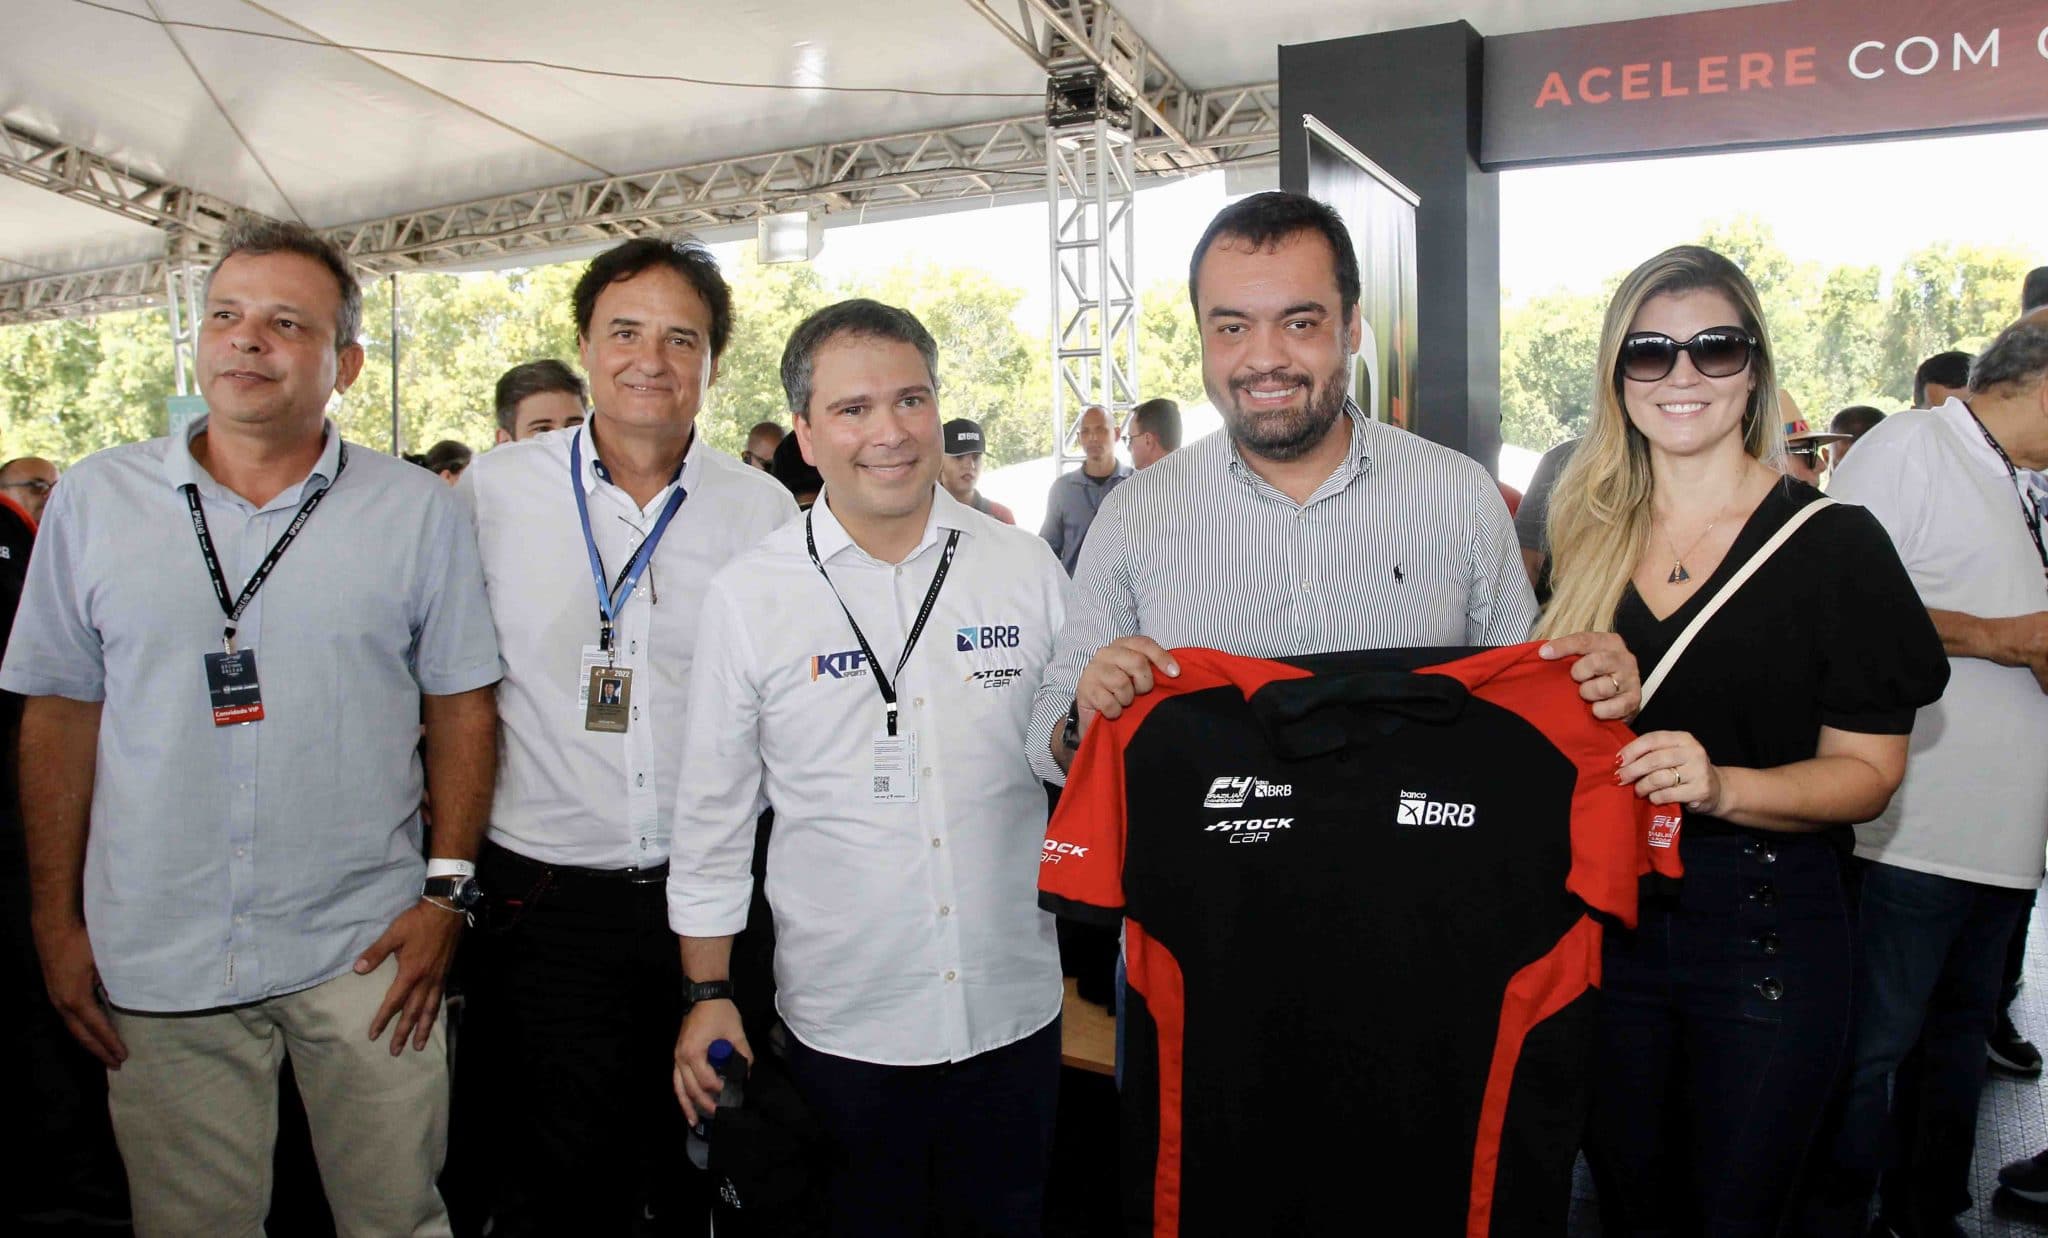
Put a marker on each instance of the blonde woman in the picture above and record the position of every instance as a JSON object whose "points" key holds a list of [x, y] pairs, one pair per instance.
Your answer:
{"points": [[1783, 722]]}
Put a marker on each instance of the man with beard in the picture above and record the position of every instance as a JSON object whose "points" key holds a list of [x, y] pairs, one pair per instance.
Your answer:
{"points": [[1305, 528]]}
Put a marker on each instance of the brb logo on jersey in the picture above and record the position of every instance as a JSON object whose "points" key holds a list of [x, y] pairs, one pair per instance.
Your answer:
{"points": [[1416, 808], [992, 636], [1230, 792], [851, 664]]}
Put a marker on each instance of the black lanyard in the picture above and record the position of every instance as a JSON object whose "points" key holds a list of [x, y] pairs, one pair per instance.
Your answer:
{"points": [[924, 612], [2027, 510], [233, 609]]}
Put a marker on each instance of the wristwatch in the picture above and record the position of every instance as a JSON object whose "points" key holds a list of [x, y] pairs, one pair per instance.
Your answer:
{"points": [[1071, 736], [707, 991], [460, 891]]}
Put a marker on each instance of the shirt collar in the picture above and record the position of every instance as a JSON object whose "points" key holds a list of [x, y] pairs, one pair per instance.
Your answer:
{"points": [[947, 513], [1357, 455], [594, 471], [182, 469]]}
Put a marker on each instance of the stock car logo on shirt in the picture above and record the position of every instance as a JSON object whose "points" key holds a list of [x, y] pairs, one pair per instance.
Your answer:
{"points": [[987, 636], [1250, 829], [849, 664], [1053, 851], [1232, 792], [1416, 808], [996, 677]]}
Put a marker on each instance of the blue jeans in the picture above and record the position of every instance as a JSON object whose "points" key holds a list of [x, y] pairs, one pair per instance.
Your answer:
{"points": [[1931, 951], [1723, 1018]]}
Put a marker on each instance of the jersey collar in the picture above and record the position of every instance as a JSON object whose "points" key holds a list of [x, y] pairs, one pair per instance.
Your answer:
{"points": [[181, 469], [948, 514]]}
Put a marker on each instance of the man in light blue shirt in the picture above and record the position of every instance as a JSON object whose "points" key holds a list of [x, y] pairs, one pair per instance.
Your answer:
{"points": [[1071, 504], [229, 640]]}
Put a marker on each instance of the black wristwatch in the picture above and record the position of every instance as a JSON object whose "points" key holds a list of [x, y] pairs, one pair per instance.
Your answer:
{"points": [[1071, 736], [461, 892], [708, 991]]}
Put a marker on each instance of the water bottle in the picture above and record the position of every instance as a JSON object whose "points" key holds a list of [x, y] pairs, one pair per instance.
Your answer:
{"points": [[732, 1068]]}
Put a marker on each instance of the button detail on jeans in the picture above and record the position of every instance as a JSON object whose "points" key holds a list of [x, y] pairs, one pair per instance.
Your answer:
{"points": [[1770, 988], [1768, 943]]}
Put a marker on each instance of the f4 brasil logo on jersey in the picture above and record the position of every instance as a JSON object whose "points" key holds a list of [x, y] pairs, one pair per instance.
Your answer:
{"points": [[851, 664], [1232, 792], [1664, 830], [1416, 808], [988, 636], [1251, 829]]}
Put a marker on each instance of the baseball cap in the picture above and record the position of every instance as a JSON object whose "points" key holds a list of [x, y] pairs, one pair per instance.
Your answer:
{"points": [[1797, 431], [963, 437]]}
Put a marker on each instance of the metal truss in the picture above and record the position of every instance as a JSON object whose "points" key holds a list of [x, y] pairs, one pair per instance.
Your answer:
{"points": [[96, 180], [1091, 188], [978, 161], [1065, 35]]}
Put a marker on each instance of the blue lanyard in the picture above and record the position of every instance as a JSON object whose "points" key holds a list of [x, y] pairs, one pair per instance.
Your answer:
{"points": [[611, 601]]}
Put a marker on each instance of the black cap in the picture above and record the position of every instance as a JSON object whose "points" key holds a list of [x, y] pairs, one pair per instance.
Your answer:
{"points": [[963, 437]]}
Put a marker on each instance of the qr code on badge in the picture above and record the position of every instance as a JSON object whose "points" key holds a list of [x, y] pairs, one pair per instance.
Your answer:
{"points": [[881, 784]]}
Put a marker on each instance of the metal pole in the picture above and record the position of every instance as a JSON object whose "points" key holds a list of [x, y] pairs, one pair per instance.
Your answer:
{"points": [[397, 434]]}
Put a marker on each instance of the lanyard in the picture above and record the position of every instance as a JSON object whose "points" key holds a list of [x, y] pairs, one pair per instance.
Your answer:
{"points": [[2027, 511], [233, 609], [924, 612], [613, 600]]}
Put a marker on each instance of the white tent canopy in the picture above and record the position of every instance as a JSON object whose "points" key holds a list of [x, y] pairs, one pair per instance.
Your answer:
{"points": [[299, 108]]}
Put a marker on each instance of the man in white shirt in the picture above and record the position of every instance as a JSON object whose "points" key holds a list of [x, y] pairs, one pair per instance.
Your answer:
{"points": [[597, 544], [869, 670], [1950, 866]]}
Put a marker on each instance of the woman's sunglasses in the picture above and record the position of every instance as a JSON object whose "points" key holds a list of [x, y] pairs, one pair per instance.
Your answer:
{"points": [[1717, 352]]}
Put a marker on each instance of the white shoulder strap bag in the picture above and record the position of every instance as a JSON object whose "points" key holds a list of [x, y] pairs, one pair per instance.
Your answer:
{"points": [[1757, 560]]}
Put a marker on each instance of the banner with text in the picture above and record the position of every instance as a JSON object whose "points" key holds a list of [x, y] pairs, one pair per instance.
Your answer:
{"points": [[1796, 71]]}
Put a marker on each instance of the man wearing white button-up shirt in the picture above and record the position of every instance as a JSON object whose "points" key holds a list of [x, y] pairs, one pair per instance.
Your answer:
{"points": [[870, 670], [597, 544]]}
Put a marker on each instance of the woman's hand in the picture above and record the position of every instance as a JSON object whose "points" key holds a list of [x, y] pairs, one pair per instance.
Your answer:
{"points": [[1670, 767]]}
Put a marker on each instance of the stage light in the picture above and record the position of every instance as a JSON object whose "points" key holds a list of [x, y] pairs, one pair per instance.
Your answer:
{"points": [[792, 236]]}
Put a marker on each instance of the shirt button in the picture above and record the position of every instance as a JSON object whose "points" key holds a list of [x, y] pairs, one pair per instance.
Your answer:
{"points": [[240, 852], [636, 713], [926, 771], [1307, 585], [945, 911], [240, 919], [633, 646], [937, 842], [919, 702], [949, 977], [639, 780]]}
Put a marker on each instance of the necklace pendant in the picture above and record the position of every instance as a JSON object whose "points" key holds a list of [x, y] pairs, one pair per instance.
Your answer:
{"points": [[1678, 574]]}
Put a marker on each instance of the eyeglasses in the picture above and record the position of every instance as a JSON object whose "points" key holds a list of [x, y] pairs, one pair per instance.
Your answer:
{"points": [[34, 485], [1810, 452], [1717, 352]]}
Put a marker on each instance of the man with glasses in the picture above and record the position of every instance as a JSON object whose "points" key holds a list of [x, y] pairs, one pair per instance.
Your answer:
{"points": [[762, 441], [28, 481], [1806, 448]]}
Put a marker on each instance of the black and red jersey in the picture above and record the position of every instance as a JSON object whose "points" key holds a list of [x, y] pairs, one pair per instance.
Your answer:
{"points": [[1355, 891]]}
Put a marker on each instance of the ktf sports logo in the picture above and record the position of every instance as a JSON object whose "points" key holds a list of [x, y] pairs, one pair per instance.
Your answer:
{"points": [[990, 636], [852, 664], [1232, 792]]}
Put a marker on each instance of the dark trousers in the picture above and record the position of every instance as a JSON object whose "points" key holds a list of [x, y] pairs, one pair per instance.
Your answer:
{"points": [[2016, 958], [1723, 1018], [574, 1002], [960, 1150], [1931, 951]]}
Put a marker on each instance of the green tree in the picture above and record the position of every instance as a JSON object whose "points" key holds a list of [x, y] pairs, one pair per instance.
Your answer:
{"points": [[1948, 295], [768, 303], [988, 368], [1169, 345]]}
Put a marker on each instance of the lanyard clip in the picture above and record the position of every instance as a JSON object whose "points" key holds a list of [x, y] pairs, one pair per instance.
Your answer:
{"points": [[227, 642], [892, 716], [605, 639]]}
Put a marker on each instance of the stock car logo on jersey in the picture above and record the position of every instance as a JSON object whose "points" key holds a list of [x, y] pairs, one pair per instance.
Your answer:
{"points": [[850, 664]]}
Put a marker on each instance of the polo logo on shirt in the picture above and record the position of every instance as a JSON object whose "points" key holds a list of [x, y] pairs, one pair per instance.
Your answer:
{"points": [[1416, 808], [1232, 792], [850, 664], [1664, 830], [991, 636]]}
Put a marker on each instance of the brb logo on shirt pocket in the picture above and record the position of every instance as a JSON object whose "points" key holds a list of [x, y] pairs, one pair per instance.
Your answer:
{"points": [[992, 636], [1416, 808]]}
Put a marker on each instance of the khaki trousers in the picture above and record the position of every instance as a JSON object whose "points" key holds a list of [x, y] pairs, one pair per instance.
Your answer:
{"points": [[195, 1114]]}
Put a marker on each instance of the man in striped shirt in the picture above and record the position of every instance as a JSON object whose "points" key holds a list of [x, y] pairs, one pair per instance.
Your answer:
{"points": [[1306, 527]]}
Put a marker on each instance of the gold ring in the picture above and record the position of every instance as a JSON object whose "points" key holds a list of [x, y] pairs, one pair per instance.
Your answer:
{"points": [[1676, 777], [1616, 682]]}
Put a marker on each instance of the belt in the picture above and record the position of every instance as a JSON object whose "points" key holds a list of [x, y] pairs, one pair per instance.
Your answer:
{"points": [[572, 872]]}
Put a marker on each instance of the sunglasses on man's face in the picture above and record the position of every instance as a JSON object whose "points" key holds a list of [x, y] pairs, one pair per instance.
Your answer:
{"points": [[1717, 352]]}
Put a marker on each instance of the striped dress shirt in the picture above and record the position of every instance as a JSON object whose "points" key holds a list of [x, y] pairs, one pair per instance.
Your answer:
{"points": [[1405, 544]]}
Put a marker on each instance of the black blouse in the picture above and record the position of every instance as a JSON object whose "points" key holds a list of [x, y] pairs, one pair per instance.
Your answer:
{"points": [[1830, 632]]}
